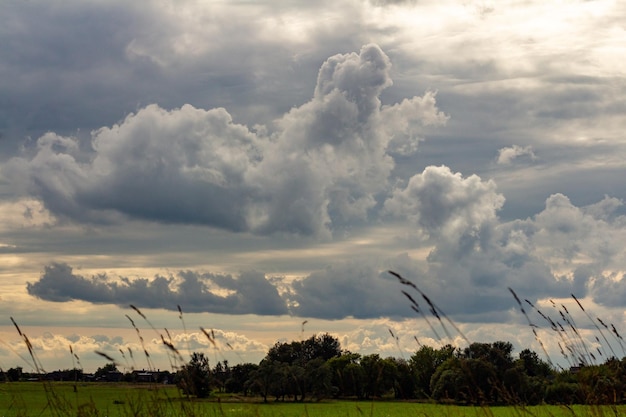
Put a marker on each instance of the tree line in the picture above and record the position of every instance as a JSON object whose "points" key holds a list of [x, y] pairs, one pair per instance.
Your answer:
{"points": [[481, 373], [318, 368]]}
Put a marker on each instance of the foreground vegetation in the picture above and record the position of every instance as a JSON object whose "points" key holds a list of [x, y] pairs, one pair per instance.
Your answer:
{"points": [[316, 377]]}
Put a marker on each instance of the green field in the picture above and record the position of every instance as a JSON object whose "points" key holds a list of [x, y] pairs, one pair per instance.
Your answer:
{"points": [[107, 399]]}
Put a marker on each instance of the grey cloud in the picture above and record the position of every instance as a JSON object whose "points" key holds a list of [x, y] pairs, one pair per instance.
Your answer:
{"points": [[444, 204], [352, 289], [608, 289], [570, 233], [75, 54], [329, 163], [473, 286], [466, 274], [607, 209], [250, 293], [322, 168], [335, 146], [470, 271], [74, 65], [509, 154], [406, 121]]}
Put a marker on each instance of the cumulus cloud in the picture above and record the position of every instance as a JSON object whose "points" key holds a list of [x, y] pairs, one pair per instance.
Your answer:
{"points": [[573, 235], [405, 122], [507, 155], [249, 293], [562, 250], [443, 204], [473, 257], [320, 169]]}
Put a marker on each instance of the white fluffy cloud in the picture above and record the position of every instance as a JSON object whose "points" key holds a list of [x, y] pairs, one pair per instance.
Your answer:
{"points": [[320, 169], [443, 204], [509, 154]]}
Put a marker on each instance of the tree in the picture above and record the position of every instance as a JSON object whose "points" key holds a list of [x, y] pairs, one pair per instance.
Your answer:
{"points": [[285, 352], [194, 378], [221, 373], [449, 382], [404, 386], [322, 347], [491, 361], [318, 378], [425, 362], [343, 375], [240, 377], [296, 352], [533, 365], [379, 375], [14, 374], [267, 379], [104, 371]]}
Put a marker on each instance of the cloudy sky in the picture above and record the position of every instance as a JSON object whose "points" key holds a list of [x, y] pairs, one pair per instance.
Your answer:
{"points": [[262, 164]]}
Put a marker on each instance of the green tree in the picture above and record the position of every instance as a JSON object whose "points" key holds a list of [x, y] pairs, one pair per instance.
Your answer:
{"points": [[14, 374], [322, 347], [424, 363], [301, 352], [194, 378], [405, 383], [220, 374], [318, 378], [240, 378], [527, 380], [341, 377], [104, 371], [449, 383], [488, 362], [380, 375], [267, 378], [465, 380]]}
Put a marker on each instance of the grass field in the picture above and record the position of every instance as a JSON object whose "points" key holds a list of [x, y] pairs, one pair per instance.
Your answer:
{"points": [[107, 399]]}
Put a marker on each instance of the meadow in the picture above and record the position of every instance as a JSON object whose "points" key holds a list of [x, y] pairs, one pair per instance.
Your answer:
{"points": [[123, 400]]}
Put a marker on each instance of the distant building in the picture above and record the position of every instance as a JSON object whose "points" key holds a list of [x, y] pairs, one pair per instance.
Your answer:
{"points": [[112, 376]]}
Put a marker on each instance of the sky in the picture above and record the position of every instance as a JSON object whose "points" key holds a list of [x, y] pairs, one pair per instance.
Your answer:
{"points": [[255, 169]]}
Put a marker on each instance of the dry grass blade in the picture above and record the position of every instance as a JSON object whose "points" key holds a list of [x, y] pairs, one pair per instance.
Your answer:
{"points": [[586, 357], [209, 336], [434, 309], [415, 307], [595, 325], [172, 348], [104, 355], [16, 326], [132, 322], [531, 324], [138, 312]]}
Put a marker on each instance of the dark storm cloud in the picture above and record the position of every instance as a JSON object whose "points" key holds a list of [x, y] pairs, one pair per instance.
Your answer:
{"points": [[249, 293]]}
